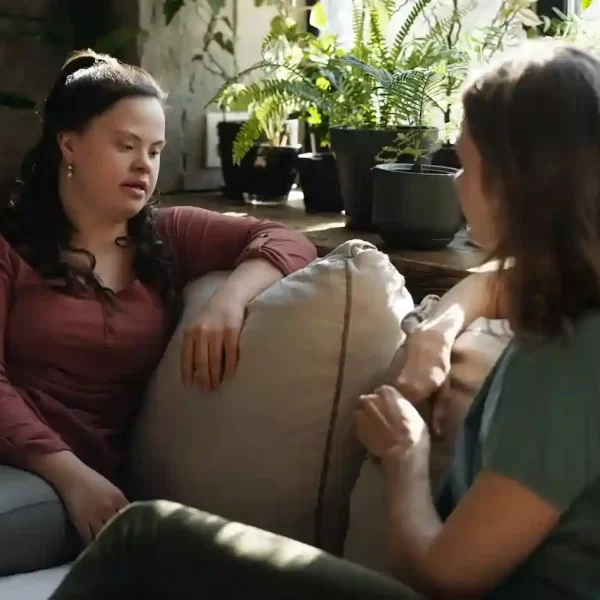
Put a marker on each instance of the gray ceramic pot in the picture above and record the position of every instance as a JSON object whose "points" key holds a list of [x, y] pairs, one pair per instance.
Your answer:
{"points": [[416, 210]]}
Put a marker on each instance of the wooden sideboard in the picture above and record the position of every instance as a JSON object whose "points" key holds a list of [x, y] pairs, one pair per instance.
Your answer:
{"points": [[426, 272]]}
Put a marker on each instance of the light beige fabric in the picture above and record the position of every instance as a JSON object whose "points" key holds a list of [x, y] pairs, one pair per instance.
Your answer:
{"points": [[473, 356], [275, 446]]}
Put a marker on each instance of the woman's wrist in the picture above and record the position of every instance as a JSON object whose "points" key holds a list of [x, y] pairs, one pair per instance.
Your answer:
{"points": [[402, 468], [58, 468]]}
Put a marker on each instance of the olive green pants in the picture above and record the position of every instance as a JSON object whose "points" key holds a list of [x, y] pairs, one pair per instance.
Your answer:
{"points": [[163, 550]]}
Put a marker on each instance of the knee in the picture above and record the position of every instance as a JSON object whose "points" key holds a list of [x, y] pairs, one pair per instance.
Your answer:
{"points": [[140, 520]]}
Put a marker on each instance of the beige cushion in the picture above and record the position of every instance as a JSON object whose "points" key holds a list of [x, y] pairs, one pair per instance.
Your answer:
{"points": [[275, 446], [473, 355]]}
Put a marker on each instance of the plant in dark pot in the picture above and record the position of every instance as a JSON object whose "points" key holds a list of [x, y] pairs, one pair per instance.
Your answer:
{"points": [[371, 121], [291, 85], [318, 173], [415, 204], [267, 163], [317, 169], [308, 83]]}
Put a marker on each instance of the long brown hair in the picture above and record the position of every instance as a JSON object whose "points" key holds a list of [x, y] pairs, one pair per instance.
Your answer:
{"points": [[535, 119]]}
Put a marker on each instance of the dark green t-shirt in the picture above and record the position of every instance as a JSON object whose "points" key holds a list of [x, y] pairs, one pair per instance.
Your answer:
{"points": [[537, 421]]}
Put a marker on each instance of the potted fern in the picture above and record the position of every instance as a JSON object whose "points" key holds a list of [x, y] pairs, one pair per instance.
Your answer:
{"points": [[372, 121], [415, 204], [291, 85]]}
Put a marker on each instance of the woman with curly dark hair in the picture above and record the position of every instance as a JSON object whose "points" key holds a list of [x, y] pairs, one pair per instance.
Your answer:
{"points": [[90, 276]]}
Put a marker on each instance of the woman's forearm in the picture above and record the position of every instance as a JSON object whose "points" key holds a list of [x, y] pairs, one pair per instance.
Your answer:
{"points": [[413, 525], [474, 297], [249, 279]]}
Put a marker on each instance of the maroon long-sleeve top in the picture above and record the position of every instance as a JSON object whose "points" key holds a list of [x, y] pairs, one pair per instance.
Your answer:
{"points": [[73, 368]]}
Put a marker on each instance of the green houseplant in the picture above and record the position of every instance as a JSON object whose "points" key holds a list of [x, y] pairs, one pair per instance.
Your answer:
{"points": [[261, 149], [415, 204], [373, 123]]}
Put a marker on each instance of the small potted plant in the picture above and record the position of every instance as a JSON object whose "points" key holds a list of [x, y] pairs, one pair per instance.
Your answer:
{"points": [[415, 204], [370, 123], [289, 87]]}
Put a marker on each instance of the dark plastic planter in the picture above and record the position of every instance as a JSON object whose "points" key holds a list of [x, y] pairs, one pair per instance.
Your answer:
{"points": [[232, 176], [356, 152], [269, 178], [446, 156], [320, 183], [413, 210]]}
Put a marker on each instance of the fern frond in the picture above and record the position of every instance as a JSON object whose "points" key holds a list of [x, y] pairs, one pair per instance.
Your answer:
{"points": [[377, 42], [359, 14], [417, 90], [389, 5], [417, 10], [224, 91], [269, 40], [438, 33], [248, 135], [260, 122], [383, 77], [282, 91]]}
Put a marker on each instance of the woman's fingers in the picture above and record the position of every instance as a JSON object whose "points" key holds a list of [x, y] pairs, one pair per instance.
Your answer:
{"points": [[215, 359], [232, 349], [202, 363], [187, 359]]}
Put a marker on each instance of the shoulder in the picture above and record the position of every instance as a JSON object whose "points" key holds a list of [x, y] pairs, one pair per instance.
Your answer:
{"points": [[543, 429], [571, 360], [172, 216], [174, 221]]}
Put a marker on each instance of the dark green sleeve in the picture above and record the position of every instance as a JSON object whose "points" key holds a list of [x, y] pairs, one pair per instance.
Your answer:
{"points": [[545, 431]]}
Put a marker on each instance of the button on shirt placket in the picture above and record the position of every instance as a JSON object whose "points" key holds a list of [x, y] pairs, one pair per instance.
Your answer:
{"points": [[109, 327]]}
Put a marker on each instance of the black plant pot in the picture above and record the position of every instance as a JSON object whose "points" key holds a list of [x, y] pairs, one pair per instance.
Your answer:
{"points": [[446, 156], [356, 152], [268, 173], [419, 211], [320, 183], [232, 174]]}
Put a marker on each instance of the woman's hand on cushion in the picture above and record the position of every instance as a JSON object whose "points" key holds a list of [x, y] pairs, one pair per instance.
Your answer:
{"points": [[210, 348], [391, 428], [425, 368]]}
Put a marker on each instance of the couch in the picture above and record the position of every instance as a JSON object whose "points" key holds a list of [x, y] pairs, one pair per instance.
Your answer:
{"points": [[274, 446]]}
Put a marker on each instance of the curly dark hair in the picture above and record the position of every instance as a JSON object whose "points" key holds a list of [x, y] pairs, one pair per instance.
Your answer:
{"points": [[535, 119], [34, 221]]}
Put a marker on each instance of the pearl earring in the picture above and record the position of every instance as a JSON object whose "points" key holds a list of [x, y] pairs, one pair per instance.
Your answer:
{"points": [[70, 170]]}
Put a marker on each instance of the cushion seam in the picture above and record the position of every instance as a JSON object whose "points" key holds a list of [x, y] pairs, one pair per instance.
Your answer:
{"points": [[319, 508], [30, 506]]}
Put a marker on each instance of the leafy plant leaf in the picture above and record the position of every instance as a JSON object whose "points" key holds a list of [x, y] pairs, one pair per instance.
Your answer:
{"points": [[585, 4], [227, 22], [171, 8], [225, 43], [16, 102]]}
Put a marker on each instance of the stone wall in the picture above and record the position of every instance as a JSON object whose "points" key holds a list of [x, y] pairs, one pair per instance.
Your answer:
{"points": [[36, 37], [29, 66], [167, 53]]}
